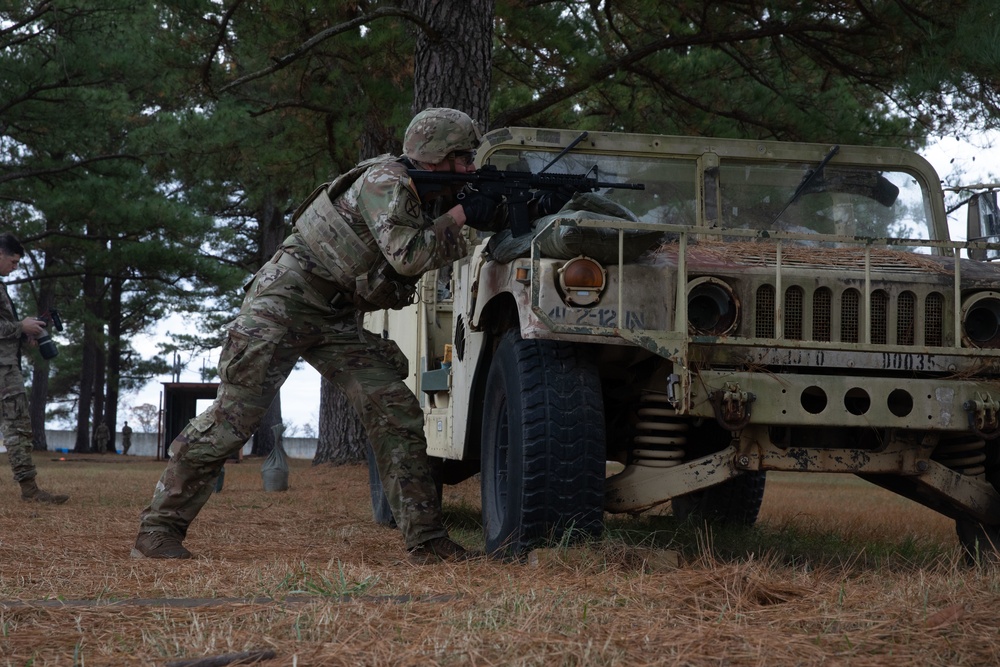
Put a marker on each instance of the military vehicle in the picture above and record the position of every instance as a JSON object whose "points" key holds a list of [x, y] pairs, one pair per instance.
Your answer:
{"points": [[758, 306]]}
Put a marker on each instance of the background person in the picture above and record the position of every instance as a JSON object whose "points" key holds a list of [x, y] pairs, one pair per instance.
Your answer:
{"points": [[15, 423], [360, 244], [101, 437], [126, 438]]}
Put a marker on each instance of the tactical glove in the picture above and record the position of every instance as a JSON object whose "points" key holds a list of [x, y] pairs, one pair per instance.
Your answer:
{"points": [[550, 202], [480, 210]]}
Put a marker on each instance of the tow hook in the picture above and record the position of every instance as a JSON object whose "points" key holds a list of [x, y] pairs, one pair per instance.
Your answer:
{"points": [[983, 419], [732, 406]]}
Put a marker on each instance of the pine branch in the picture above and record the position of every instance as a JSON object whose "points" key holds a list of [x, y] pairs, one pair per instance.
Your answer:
{"points": [[289, 58]]}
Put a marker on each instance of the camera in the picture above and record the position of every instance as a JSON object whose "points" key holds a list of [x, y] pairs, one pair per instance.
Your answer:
{"points": [[46, 346]]}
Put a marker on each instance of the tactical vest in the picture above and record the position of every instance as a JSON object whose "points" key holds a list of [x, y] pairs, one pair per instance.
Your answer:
{"points": [[359, 267]]}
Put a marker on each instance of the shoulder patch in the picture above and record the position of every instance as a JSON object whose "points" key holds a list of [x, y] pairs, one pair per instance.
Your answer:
{"points": [[412, 207]]}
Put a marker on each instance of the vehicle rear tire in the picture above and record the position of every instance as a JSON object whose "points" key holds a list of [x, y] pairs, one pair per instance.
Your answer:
{"points": [[981, 543], [735, 502], [381, 510], [543, 446]]}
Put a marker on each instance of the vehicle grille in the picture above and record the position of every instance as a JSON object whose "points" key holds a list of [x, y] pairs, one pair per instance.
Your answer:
{"points": [[822, 314]]}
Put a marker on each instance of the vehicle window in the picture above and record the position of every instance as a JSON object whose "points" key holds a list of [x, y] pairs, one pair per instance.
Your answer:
{"points": [[848, 201]]}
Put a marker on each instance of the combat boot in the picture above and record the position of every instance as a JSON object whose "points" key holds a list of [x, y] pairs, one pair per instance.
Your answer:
{"points": [[31, 493], [440, 549], [159, 545]]}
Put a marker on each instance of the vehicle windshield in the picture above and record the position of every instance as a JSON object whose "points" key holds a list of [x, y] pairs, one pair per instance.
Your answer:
{"points": [[669, 196], [846, 201], [752, 194]]}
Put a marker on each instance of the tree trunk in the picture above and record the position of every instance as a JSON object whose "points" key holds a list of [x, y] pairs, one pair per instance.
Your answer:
{"points": [[341, 437], [96, 314], [452, 69], [88, 366], [114, 359], [100, 375], [263, 439], [40, 376], [271, 226]]}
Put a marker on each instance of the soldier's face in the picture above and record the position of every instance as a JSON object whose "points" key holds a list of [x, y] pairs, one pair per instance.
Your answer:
{"points": [[8, 263]]}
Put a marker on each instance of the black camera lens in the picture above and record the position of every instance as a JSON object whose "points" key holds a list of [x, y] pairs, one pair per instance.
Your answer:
{"points": [[47, 347]]}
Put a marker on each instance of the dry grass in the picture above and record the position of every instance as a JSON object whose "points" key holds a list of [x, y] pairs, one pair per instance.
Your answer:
{"points": [[274, 569]]}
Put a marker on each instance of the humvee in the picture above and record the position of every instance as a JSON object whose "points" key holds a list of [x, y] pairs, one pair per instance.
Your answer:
{"points": [[758, 306]]}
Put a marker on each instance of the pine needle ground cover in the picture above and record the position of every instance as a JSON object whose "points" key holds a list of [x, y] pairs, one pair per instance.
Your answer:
{"points": [[837, 572]]}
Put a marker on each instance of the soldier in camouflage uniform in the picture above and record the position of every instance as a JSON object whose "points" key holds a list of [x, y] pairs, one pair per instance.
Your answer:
{"points": [[126, 438], [359, 244], [15, 423], [101, 437]]}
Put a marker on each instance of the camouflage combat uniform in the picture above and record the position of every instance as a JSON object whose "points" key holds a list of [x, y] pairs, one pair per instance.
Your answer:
{"points": [[101, 438], [359, 244], [15, 423], [126, 438]]}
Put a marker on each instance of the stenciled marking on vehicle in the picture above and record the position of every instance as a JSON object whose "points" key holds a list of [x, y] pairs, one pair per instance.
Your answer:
{"points": [[789, 357], [908, 362], [604, 317], [895, 361]]}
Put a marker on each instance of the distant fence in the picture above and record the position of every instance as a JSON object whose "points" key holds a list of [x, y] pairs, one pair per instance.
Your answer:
{"points": [[144, 444]]}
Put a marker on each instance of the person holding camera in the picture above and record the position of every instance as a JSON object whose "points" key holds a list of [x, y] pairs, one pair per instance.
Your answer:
{"points": [[359, 244], [15, 423]]}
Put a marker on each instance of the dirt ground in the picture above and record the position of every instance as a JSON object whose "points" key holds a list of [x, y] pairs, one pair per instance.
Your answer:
{"points": [[306, 577]]}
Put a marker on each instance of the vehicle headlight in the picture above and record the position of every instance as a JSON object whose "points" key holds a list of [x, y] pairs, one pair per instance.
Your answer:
{"points": [[712, 307], [582, 280], [981, 320]]}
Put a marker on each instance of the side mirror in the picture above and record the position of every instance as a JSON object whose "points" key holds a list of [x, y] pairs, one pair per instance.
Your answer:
{"points": [[983, 223]]}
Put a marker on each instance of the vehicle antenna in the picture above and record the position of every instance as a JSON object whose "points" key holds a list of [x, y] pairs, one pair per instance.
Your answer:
{"points": [[571, 146]]}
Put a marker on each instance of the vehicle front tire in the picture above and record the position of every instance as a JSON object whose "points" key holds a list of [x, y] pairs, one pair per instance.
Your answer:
{"points": [[543, 446]]}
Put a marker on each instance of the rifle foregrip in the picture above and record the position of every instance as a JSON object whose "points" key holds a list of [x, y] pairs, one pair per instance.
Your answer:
{"points": [[517, 214]]}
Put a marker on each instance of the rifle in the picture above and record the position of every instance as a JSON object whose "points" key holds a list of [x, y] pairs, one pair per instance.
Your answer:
{"points": [[514, 188]]}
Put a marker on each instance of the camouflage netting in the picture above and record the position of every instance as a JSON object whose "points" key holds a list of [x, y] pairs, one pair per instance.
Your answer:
{"points": [[569, 241]]}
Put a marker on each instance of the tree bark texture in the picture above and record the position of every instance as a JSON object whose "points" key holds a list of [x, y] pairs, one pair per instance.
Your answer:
{"points": [[341, 437], [88, 371], [453, 60]]}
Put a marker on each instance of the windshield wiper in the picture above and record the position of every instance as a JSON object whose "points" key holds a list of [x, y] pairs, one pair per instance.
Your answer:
{"points": [[806, 181]]}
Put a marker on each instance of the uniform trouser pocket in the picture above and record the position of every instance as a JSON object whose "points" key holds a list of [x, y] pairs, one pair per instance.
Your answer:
{"points": [[249, 353]]}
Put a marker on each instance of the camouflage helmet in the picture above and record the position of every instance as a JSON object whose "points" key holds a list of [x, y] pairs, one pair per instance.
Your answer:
{"points": [[433, 133]]}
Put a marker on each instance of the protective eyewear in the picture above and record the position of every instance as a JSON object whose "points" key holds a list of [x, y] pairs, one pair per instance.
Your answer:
{"points": [[464, 157]]}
